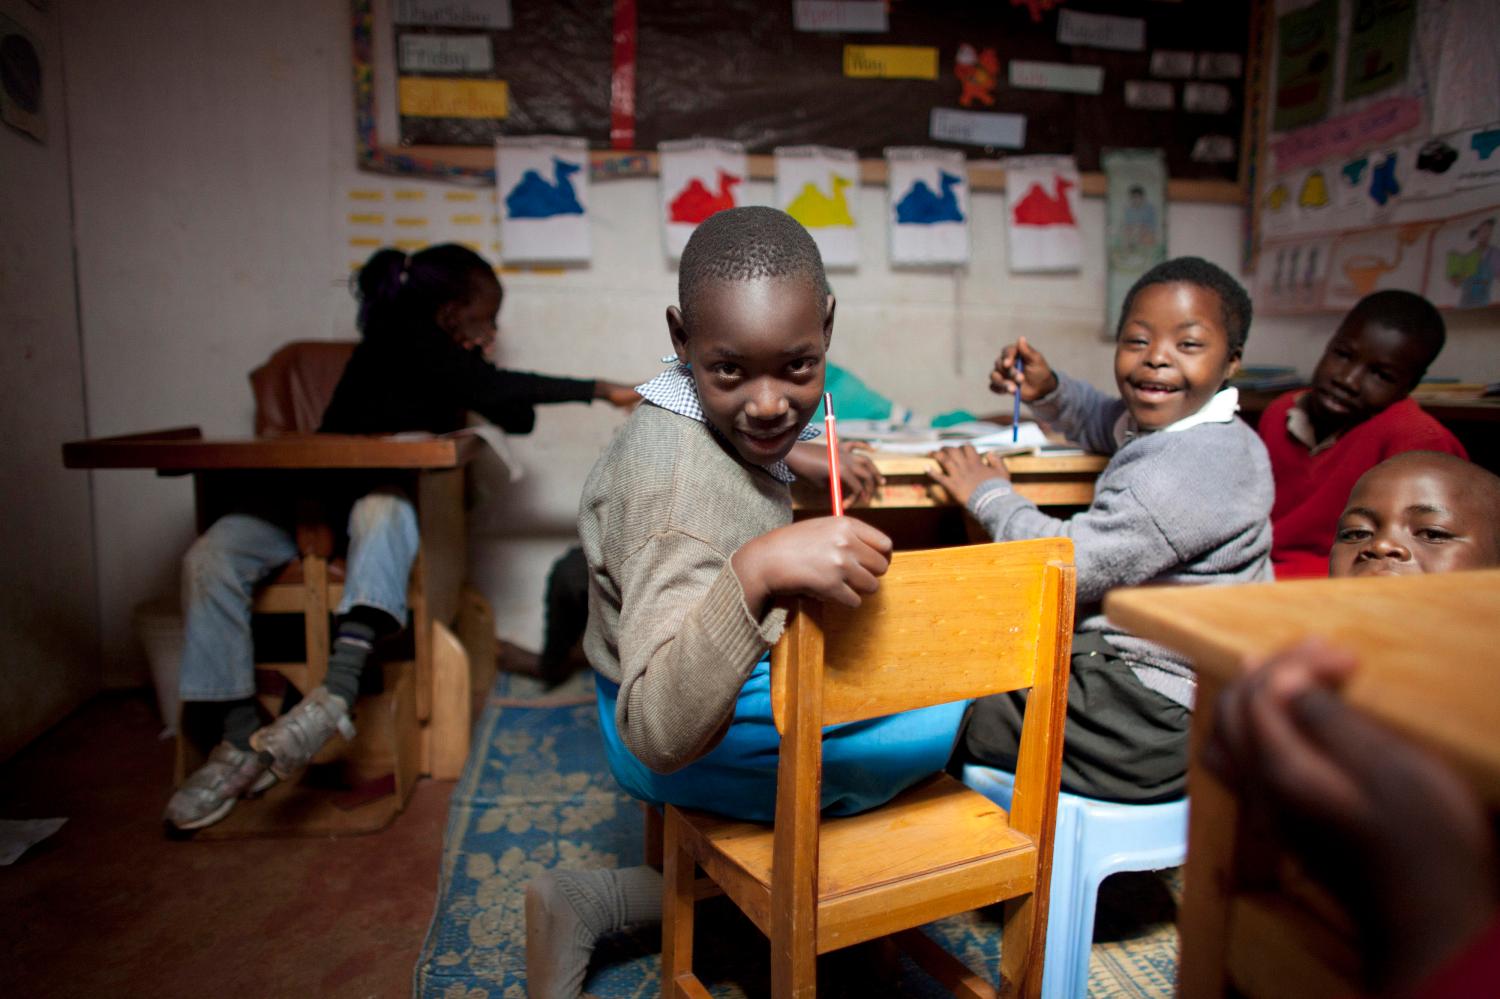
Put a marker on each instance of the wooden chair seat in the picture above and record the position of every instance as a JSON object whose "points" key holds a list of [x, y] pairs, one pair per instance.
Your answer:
{"points": [[292, 574], [939, 843]]}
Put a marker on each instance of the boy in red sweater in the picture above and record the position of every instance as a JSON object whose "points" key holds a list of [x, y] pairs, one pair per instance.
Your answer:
{"points": [[1355, 415]]}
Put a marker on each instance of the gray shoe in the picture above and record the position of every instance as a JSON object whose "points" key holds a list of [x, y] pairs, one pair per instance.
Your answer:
{"points": [[295, 738], [211, 791]]}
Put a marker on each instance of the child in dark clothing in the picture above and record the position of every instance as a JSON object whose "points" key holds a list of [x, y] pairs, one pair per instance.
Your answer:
{"points": [[1356, 414], [1184, 499], [427, 322]]}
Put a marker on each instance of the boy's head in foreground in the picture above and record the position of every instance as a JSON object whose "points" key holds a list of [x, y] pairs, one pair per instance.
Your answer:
{"points": [[1376, 357], [754, 321], [1421, 511], [447, 286], [1182, 333]]}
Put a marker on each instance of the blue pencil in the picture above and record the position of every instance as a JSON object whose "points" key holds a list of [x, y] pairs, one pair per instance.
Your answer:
{"points": [[1015, 418]]}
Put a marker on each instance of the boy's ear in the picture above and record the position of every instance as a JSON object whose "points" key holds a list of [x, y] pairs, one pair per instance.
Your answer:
{"points": [[678, 331], [1233, 367], [447, 316], [828, 321]]}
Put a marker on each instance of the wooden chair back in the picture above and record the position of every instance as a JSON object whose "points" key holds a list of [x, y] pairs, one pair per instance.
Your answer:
{"points": [[945, 625]]}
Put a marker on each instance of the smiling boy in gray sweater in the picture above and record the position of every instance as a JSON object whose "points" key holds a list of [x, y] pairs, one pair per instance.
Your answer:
{"points": [[1186, 498]]}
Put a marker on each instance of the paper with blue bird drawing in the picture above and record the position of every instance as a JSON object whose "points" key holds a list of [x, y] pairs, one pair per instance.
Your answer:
{"points": [[929, 205], [543, 186]]}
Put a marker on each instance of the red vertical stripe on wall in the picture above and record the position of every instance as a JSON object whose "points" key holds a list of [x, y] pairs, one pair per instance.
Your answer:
{"points": [[622, 79]]}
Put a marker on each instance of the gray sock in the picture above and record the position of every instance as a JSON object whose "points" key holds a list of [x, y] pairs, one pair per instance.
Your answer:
{"points": [[568, 911], [241, 719]]}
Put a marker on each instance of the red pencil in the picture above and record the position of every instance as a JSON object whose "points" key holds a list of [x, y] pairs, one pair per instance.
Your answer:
{"points": [[835, 487]]}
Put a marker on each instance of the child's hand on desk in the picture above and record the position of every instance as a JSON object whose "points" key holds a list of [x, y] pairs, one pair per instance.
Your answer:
{"points": [[1393, 832], [961, 470], [857, 472], [831, 558], [621, 396], [1036, 378]]}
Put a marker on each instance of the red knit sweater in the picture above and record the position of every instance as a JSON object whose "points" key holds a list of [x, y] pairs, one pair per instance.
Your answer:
{"points": [[1312, 489]]}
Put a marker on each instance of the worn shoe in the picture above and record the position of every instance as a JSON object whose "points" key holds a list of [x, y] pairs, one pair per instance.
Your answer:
{"points": [[211, 791], [295, 738]]}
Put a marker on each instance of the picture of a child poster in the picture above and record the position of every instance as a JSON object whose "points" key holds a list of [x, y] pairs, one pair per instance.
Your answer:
{"points": [[1135, 220], [819, 187], [1463, 271]]}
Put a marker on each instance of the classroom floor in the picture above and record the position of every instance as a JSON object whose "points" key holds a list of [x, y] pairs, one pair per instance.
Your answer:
{"points": [[108, 906]]}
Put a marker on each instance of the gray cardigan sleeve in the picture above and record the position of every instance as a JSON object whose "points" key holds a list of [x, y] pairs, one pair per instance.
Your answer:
{"points": [[1082, 413], [687, 644]]}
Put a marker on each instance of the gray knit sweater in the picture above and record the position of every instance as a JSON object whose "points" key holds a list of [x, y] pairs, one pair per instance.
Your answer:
{"points": [[1186, 506], [664, 508]]}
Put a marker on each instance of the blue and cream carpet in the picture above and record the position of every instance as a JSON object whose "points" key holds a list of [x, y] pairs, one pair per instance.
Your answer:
{"points": [[536, 793]]}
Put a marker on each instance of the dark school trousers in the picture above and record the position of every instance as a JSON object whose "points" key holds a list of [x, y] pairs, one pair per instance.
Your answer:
{"points": [[1122, 742]]}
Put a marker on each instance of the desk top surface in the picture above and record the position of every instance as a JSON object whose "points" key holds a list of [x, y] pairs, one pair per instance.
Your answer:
{"points": [[1426, 646], [186, 450], [1016, 464]]}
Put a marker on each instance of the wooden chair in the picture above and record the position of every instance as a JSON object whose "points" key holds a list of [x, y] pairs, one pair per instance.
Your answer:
{"points": [[946, 625], [420, 723]]}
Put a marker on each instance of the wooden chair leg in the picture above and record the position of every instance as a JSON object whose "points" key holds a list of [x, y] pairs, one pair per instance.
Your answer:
{"points": [[677, 915], [315, 618], [1021, 949], [448, 728], [655, 850]]}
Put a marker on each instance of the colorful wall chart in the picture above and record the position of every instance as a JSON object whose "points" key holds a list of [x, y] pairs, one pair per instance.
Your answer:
{"points": [[819, 187], [544, 188], [1042, 194], [1463, 269], [929, 205], [698, 178]]}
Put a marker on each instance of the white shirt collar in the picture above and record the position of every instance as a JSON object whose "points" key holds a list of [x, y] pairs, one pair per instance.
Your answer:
{"points": [[1220, 409], [674, 391]]}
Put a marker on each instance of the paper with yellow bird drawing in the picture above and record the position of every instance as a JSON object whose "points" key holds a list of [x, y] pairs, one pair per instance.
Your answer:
{"points": [[819, 187]]}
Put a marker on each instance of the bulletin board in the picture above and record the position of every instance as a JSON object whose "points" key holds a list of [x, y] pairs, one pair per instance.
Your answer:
{"points": [[1170, 75], [1377, 164]]}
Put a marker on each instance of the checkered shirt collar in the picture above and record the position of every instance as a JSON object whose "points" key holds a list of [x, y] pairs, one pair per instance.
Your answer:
{"points": [[674, 391]]}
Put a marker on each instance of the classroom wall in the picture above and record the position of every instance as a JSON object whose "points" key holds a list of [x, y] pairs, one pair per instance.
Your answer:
{"points": [[48, 610], [212, 151]]}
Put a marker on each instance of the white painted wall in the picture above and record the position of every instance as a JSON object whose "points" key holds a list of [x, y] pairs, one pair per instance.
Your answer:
{"points": [[47, 599], [212, 150]]}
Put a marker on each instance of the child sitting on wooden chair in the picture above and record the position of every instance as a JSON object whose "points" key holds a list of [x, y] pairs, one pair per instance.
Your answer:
{"points": [[686, 523], [1184, 499], [428, 322]]}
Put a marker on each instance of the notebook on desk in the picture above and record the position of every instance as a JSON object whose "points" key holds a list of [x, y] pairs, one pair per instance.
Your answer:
{"points": [[988, 438]]}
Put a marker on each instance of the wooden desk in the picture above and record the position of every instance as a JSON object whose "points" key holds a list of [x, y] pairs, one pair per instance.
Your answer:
{"points": [[1425, 646], [918, 513], [225, 470]]}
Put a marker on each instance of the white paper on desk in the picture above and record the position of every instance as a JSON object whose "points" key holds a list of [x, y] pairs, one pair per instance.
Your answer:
{"points": [[492, 435], [985, 437]]}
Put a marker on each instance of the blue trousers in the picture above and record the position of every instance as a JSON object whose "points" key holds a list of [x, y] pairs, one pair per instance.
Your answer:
{"points": [[865, 764], [222, 568]]}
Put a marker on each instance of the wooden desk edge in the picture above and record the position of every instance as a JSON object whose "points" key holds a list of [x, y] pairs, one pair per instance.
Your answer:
{"points": [[185, 450], [1020, 464]]}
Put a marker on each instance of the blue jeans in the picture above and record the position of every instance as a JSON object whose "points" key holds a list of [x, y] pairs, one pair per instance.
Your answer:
{"points": [[865, 764], [222, 568]]}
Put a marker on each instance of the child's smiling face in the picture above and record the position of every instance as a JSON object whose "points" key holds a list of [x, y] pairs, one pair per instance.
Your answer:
{"points": [[1173, 353], [756, 350], [1415, 514]]}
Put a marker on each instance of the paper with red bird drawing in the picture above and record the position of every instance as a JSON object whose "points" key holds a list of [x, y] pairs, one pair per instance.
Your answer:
{"points": [[1042, 195], [698, 178]]}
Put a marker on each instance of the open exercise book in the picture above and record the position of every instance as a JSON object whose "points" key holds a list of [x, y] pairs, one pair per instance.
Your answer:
{"points": [[897, 438]]}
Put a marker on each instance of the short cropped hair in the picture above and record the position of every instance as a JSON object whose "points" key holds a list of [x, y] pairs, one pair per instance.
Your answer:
{"points": [[1408, 312], [1234, 301], [746, 244]]}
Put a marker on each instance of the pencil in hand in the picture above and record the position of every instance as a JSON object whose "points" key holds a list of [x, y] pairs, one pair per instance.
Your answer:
{"points": [[835, 486], [1015, 415]]}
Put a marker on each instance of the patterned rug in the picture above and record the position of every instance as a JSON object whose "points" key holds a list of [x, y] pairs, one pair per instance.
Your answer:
{"points": [[537, 793]]}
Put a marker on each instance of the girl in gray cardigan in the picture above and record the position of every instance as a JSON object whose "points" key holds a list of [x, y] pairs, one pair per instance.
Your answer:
{"points": [[1185, 498]]}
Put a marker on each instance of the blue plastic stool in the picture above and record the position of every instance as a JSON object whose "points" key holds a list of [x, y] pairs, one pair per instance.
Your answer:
{"points": [[1094, 840]]}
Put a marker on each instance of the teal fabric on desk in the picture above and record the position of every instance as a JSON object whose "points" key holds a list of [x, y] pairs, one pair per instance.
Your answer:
{"points": [[854, 400]]}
